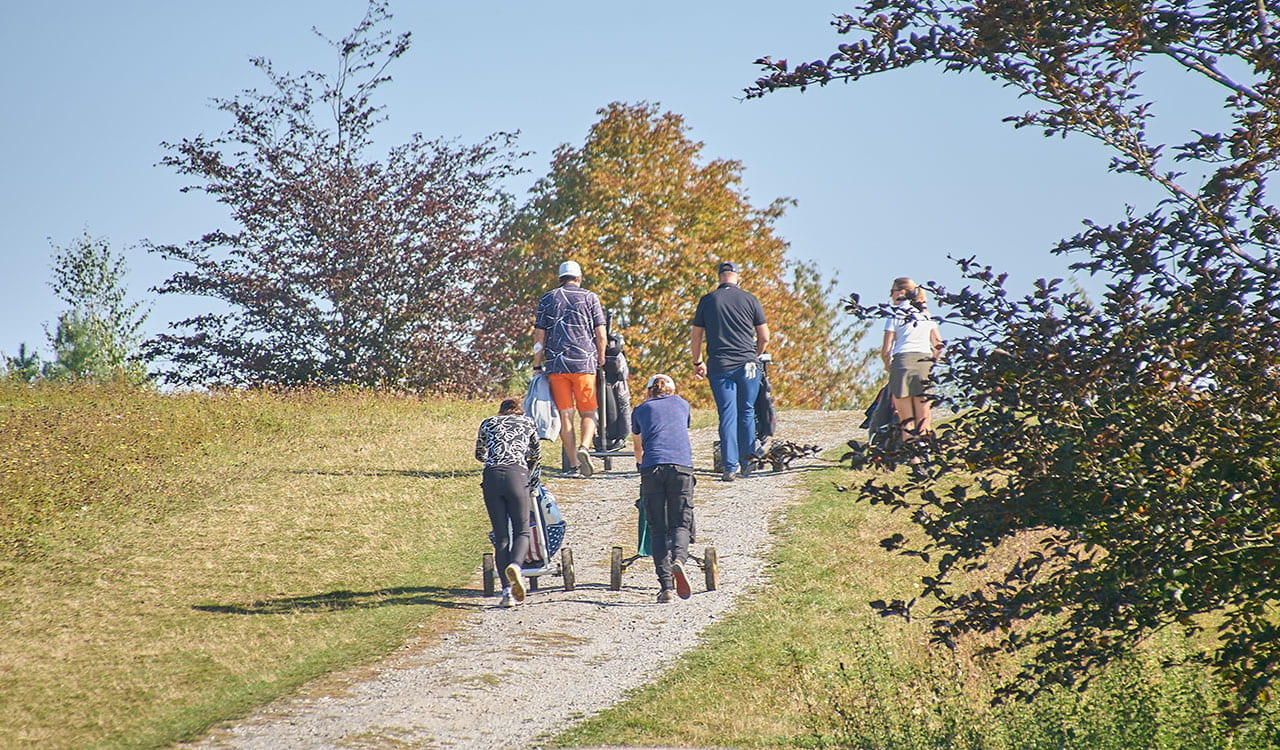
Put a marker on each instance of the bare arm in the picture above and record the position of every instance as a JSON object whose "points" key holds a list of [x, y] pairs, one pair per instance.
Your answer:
{"points": [[600, 342], [762, 338], [637, 445], [886, 347], [695, 351], [539, 344]]}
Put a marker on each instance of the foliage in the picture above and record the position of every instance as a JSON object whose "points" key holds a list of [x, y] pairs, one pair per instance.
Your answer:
{"points": [[343, 268], [1124, 453], [97, 338], [648, 220], [24, 367], [807, 665]]}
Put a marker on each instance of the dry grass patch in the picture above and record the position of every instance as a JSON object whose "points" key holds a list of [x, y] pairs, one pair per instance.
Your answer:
{"points": [[284, 536]]}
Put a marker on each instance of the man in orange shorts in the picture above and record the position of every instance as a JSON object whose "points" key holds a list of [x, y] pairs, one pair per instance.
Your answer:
{"points": [[569, 336]]}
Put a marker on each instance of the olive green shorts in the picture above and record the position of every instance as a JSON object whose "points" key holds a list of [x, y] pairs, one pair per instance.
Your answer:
{"points": [[910, 374]]}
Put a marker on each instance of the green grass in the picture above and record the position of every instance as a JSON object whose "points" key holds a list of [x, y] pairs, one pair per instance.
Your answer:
{"points": [[170, 562], [806, 663], [174, 561]]}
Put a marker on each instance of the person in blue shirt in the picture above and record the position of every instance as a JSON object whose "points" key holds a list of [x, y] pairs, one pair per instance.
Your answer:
{"points": [[664, 455]]}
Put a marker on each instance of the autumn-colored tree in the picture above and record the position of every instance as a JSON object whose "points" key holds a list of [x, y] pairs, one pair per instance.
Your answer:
{"points": [[1122, 455], [343, 268], [649, 220]]}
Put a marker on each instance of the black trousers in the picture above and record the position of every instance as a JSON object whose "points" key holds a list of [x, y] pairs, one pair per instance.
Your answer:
{"points": [[506, 497], [667, 490]]}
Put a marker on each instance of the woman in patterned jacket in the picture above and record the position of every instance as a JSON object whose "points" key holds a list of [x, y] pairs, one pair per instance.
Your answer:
{"points": [[508, 445]]}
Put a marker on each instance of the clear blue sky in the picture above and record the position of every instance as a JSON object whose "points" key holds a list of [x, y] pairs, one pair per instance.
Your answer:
{"points": [[892, 174]]}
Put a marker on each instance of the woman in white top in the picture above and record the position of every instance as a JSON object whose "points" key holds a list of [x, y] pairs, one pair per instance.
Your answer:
{"points": [[911, 347]]}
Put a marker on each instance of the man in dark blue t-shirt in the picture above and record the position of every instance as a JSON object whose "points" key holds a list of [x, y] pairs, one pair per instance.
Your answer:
{"points": [[732, 323], [660, 433]]}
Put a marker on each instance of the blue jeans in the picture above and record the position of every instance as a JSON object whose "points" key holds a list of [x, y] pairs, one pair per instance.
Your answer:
{"points": [[735, 393]]}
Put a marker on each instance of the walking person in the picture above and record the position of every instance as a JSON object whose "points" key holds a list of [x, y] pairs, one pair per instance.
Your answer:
{"points": [[664, 455], [732, 323], [569, 337], [508, 445], [911, 346]]}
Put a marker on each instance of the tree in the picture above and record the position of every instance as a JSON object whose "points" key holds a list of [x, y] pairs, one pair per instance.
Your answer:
{"points": [[1123, 454], [97, 338], [649, 221], [342, 269], [25, 367]]}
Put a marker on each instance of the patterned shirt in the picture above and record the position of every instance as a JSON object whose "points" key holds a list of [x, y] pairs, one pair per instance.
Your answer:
{"points": [[569, 315], [508, 440]]}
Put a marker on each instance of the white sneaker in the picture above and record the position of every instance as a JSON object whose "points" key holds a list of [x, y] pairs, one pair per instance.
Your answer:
{"points": [[507, 601], [516, 579]]}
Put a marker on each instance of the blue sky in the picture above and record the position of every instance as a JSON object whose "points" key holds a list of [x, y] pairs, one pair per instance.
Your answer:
{"points": [[892, 174]]}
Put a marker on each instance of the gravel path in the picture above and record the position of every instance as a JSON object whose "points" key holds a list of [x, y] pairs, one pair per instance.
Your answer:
{"points": [[507, 677]]}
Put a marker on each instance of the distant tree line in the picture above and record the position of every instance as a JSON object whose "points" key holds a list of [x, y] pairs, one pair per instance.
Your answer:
{"points": [[412, 268]]}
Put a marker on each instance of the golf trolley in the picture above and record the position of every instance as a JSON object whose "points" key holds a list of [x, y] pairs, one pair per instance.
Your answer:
{"points": [[546, 535], [709, 562]]}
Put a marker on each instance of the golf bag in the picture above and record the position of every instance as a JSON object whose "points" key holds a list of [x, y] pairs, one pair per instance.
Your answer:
{"points": [[616, 397]]}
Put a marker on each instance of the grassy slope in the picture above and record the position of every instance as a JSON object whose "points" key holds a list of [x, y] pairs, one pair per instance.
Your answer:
{"points": [[806, 663], [194, 557], [169, 562]]}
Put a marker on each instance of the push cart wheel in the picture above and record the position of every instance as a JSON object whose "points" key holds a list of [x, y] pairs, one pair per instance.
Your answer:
{"points": [[566, 567], [711, 566], [489, 573], [615, 569], [533, 583], [717, 458]]}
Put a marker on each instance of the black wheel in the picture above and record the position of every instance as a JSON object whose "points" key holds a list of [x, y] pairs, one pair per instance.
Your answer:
{"points": [[615, 569], [711, 567], [717, 458], [489, 573], [533, 583], [566, 568]]}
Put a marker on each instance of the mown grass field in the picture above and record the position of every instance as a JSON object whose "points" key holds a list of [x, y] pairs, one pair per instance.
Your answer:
{"points": [[172, 561]]}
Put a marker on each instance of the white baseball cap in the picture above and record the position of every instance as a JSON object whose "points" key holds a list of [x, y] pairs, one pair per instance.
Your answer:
{"points": [[570, 268], [653, 379]]}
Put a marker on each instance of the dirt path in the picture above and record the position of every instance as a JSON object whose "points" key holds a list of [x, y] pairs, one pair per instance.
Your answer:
{"points": [[509, 678]]}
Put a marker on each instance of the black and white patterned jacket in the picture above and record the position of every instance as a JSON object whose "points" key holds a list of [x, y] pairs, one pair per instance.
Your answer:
{"points": [[508, 440]]}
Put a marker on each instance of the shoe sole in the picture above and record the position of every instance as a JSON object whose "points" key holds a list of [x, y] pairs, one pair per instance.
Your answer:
{"points": [[517, 582], [682, 581], [584, 462]]}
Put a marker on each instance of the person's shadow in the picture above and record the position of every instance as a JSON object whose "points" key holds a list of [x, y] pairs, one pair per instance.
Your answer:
{"points": [[447, 474], [432, 596]]}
